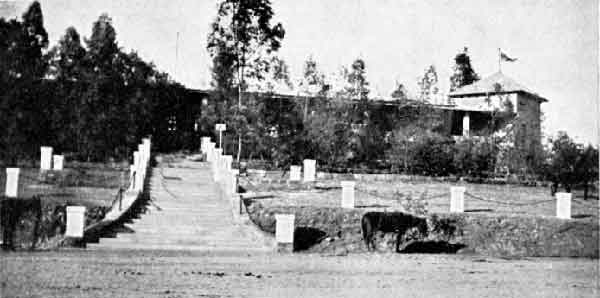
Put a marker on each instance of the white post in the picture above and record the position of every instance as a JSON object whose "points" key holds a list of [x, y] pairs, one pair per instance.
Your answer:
{"points": [[139, 180], [147, 147], [310, 170], [217, 164], [563, 205], [143, 154], [132, 170], [234, 178], [12, 182], [220, 127], [75, 221], [137, 163], [227, 160], [46, 158], [295, 173], [348, 194], [204, 144], [457, 199], [284, 230], [466, 124], [58, 162], [210, 151]]}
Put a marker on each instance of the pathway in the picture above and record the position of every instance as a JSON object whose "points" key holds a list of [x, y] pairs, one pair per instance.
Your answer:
{"points": [[186, 212]]}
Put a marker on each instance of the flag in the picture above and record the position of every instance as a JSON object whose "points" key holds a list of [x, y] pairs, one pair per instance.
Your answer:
{"points": [[504, 57]]}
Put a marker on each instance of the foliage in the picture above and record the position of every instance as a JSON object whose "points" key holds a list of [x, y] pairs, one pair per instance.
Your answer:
{"points": [[572, 164], [428, 84], [463, 71], [400, 93], [241, 42], [92, 101], [474, 157]]}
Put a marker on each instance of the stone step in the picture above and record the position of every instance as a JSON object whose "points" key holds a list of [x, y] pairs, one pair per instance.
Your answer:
{"points": [[196, 248], [206, 241]]}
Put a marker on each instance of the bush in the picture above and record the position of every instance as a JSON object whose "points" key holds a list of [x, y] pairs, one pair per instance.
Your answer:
{"points": [[474, 157]]}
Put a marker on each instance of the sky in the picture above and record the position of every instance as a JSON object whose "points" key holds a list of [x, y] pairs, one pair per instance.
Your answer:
{"points": [[555, 42]]}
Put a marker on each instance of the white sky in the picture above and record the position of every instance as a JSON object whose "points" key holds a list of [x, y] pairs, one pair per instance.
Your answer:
{"points": [[556, 42]]}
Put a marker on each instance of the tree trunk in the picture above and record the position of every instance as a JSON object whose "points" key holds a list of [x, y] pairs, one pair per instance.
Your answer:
{"points": [[585, 190]]}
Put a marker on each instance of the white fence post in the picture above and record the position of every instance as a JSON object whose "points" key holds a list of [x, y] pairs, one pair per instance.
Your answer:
{"points": [[75, 221], [457, 199], [46, 158], [284, 231], [563, 205], [310, 170], [295, 173], [348, 194], [58, 162], [12, 182], [132, 176]]}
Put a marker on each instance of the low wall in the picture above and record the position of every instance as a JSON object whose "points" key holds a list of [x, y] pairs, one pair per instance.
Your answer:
{"points": [[30, 223], [337, 230]]}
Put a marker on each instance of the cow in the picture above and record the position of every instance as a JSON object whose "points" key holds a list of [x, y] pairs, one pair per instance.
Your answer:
{"points": [[390, 222]]}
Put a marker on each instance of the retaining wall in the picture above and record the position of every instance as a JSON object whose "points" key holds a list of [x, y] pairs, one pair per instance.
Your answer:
{"points": [[338, 230]]}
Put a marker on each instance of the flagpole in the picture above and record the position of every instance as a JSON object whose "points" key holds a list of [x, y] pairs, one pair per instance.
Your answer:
{"points": [[499, 60]]}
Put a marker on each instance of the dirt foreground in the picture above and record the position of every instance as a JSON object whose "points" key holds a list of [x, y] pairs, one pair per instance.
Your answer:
{"points": [[186, 274]]}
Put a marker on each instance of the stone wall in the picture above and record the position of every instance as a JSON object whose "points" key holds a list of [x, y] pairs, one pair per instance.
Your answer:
{"points": [[337, 230]]}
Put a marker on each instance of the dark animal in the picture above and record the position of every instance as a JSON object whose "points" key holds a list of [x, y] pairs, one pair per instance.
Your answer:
{"points": [[390, 222]]}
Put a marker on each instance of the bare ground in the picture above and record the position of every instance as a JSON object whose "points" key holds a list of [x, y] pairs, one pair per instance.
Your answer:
{"points": [[186, 274]]}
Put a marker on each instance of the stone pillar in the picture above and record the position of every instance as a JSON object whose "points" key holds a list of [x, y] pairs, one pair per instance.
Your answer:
{"points": [[204, 144], [58, 162], [227, 160], [46, 158], [12, 182], [139, 180], [75, 221], [348, 194], [132, 170], [284, 232], [457, 199], [563, 205], [210, 148], [295, 173], [310, 170], [234, 180], [143, 154], [147, 147], [466, 123], [137, 163], [217, 163]]}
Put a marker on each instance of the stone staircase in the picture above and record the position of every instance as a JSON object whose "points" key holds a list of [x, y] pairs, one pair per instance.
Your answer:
{"points": [[186, 212]]}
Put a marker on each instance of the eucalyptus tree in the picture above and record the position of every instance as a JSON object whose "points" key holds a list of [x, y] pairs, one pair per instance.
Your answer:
{"points": [[240, 42]]}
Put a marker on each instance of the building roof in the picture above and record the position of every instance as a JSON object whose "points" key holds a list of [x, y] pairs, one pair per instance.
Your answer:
{"points": [[497, 83]]}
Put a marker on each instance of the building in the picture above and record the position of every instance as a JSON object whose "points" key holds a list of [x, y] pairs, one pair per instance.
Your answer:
{"points": [[494, 105]]}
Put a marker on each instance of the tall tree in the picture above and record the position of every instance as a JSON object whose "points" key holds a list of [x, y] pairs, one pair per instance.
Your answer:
{"points": [[34, 41], [400, 92], [312, 83], [67, 57], [463, 71], [242, 29], [428, 84], [358, 87]]}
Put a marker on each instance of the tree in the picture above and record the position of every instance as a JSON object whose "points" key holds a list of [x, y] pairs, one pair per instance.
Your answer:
{"points": [[587, 168], [463, 71], [242, 30], [358, 87], [428, 84], [564, 157], [312, 83], [23, 99], [400, 93]]}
